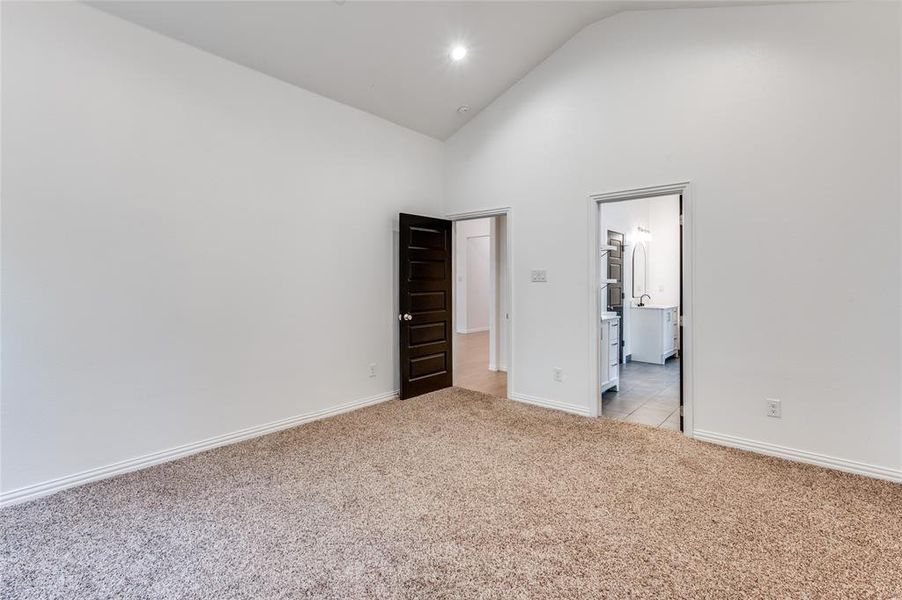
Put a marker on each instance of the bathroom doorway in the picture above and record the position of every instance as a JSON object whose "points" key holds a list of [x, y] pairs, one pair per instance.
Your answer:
{"points": [[639, 308]]}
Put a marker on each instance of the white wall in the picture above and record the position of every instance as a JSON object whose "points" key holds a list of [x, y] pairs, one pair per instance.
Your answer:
{"points": [[464, 230], [188, 247], [786, 120], [664, 250], [478, 284]]}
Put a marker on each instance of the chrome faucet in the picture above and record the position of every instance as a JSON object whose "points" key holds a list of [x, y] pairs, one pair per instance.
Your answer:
{"points": [[642, 302]]}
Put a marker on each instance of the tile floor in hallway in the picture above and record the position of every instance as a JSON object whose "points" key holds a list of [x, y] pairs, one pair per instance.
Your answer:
{"points": [[649, 394], [471, 369]]}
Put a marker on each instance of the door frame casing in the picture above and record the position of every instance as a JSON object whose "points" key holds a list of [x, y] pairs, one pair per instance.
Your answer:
{"points": [[506, 212], [687, 313]]}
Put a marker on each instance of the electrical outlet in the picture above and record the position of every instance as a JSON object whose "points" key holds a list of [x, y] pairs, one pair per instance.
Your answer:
{"points": [[774, 408], [539, 276], [372, 369], [558, 374]]}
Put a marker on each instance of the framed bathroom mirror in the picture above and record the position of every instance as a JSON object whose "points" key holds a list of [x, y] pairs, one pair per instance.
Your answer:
{"points": [[640, 270]]}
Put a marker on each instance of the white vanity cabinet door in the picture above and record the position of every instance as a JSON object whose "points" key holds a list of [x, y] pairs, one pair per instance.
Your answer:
{"points": [[609, 361], [655, 333], [605, 352], [613, 352], [669, 327], [675, 329]]}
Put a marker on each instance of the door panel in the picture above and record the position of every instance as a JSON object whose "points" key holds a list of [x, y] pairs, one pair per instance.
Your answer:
{"points": [[424, 367], [427, 270], [424, 300], [421, 302], [426, 334]]}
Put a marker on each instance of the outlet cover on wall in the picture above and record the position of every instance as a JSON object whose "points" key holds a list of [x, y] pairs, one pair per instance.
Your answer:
{"points": [[557, 374], [774, 408], [372, 369], [539, 276]]}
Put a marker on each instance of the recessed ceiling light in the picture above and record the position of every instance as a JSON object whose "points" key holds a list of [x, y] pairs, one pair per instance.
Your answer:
{"points": [[458, 52], [463, 108]]}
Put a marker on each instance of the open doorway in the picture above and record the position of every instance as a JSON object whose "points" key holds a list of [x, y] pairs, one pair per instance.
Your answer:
{"points": [[639, 300], [481, 299]]}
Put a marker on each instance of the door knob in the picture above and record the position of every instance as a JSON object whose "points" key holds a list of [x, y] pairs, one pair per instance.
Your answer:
{"points": [[405, 317]]}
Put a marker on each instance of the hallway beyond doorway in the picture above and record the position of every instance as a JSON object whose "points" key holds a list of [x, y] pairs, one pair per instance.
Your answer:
{"points": [[472, 368]]}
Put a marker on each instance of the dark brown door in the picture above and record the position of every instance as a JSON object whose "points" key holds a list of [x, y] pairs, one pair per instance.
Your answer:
{"points": [[425, 303], [615, 290]]}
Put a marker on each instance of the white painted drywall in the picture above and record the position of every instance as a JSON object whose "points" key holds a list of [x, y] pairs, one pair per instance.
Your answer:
{"points": [[786, 120], [464, 230], [664, 250], [189, 247], [478, 284]]}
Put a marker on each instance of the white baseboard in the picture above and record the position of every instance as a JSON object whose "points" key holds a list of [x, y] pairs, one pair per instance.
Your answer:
{"points": [[564, 406], [813, 458], [133, 464]]}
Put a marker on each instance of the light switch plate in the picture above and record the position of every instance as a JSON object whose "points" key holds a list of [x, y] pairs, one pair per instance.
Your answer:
{"points": [[539, 276]]}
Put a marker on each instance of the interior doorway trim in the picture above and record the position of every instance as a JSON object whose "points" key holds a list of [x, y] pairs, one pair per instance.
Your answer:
{"points": [[506, 212], [687, 342]]}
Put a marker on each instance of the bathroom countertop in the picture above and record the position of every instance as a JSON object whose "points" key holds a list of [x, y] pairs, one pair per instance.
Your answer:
{"points": [[609, 317], [656, 306]]}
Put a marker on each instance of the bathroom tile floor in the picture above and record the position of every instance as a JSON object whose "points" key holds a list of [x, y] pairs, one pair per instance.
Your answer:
{"points": [[649, 394]]}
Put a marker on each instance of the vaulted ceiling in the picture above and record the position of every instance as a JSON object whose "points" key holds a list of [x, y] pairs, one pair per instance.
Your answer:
{"points": [[387, 58]]}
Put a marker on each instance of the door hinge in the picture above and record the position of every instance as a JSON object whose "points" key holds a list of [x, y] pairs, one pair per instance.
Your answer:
{"points": [[681, 320], [681, 220]]}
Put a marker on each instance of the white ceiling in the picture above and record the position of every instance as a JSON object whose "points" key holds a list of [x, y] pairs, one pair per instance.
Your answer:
{"points": [[387, 58]]}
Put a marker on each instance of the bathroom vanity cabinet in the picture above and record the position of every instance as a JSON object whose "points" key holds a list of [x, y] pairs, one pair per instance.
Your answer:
{"points": [[655, 333], [609, 371]]}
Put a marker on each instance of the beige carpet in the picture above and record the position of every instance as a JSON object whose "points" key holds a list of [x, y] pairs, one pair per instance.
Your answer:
{"points": [[460, 495]]}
